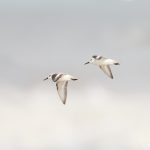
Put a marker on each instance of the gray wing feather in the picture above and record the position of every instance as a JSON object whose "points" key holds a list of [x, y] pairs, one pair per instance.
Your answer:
{"points": [[106, 69], [62, 90]]}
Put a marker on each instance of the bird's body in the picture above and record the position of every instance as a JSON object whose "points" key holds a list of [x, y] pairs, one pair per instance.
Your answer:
{"points": [[61, 81], [103, 63]]}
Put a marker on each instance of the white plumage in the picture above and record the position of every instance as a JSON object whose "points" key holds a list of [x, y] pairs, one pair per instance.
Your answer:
{"points": [[103, 63], [61, 84]]}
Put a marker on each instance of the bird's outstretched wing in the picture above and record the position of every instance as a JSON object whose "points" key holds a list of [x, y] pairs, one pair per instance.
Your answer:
{"points": [[106, 69], [62, 90]]}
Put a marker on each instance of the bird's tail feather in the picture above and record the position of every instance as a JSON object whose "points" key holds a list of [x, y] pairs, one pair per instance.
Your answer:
{"points": [[74, 79], [116, 63]]}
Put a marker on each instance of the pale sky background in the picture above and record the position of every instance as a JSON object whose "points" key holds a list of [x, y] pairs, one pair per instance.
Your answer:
{"points": [[40, 37]]}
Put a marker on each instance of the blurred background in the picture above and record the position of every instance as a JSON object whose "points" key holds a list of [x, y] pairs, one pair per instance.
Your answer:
{"points": [[39, 37]]}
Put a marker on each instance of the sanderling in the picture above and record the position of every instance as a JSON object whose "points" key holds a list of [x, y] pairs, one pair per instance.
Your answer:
{"points": [[61, 84], [103, 64]]}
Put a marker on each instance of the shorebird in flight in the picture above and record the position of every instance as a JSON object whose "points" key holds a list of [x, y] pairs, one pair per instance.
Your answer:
{"points": [[103, 63], [61, 84]]}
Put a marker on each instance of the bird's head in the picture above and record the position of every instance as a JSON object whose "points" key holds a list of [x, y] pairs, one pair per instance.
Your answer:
{"points": [[92, 60]]}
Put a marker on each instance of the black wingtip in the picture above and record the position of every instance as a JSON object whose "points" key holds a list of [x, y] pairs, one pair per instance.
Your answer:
{"points": [[111, 77], [64, 102]]}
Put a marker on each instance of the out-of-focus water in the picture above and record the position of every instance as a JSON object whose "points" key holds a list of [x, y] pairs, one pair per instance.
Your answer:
{"points": [[94, 118]]}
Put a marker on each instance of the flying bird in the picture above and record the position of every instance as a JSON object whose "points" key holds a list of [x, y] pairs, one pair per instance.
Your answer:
{"points": [[61, 84], [103, 63]]}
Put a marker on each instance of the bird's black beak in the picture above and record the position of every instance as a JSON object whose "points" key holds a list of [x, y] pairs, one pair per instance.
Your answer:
{"points": [[87, 63], [45, 79]]}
